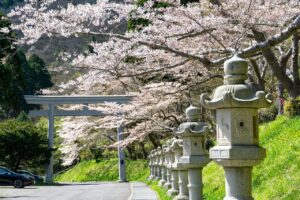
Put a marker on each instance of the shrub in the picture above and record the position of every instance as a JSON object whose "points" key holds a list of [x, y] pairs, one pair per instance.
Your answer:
{"points": [[137, 24], [292, 107], [22, 144], [268, 114]]}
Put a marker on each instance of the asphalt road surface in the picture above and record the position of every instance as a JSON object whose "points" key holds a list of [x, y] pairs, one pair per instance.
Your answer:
{"points": [[71, 191]]}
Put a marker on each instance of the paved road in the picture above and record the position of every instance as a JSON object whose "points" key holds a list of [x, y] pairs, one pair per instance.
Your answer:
{"points": [[84, 191]]}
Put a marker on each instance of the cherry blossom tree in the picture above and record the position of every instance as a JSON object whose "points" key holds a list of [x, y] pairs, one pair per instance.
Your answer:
{"points": [[172, 51]]}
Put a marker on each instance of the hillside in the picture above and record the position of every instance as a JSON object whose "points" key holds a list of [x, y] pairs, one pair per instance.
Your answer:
{"points": [[106, 170], [277, 177]]}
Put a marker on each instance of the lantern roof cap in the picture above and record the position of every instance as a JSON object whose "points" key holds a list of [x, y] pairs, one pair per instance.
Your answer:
{"points": [[235, 93], [192, 127]]}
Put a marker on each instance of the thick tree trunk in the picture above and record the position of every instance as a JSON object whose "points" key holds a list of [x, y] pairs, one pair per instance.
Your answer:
{"points": [[153, 141], [280, 99], [295, 66], [274, 64], [144, 152]]}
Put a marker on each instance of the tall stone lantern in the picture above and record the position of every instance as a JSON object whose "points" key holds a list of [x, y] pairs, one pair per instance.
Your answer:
{"points": [[151, 165], [237, 150], [163, 167], [158, 163], [195, 156], [176, 148], [168, 163]]}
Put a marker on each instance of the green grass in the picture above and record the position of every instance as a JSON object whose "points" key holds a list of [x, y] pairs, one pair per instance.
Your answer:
{"points": [[162, 193], [277, 177], [106, 170]]}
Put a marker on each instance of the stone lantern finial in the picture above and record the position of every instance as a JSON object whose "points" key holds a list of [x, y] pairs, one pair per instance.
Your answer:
{"points": [[235, 70], [192, 114]]}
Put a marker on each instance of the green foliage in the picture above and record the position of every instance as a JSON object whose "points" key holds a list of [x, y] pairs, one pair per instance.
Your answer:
{"points": [[17, 75], [37, 76], [268, 114], [13, 84], [292, 107], [137, 24], [23, 117], [22, 144], [133, 60], [141, 2], [184, 2], [158, 4], [21, 78], [105, 170]]}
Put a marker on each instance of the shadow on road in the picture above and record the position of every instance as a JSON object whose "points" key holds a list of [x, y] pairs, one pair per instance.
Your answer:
{"points": [[72, 184], [15, 197]]}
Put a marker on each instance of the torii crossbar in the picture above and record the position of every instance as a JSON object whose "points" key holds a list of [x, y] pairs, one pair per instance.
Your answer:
{"points": [[53, 100]]}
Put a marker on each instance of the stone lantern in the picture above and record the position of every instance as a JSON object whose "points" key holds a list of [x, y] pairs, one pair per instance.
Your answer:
{"points": [[163, 167], [151, 166], [154, 168], [195, 156], [176, 148], [168, 163], [181, 171], [237, 150], [157, 163]]}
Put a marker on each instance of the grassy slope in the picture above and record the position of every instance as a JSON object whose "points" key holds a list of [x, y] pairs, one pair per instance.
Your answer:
{"points": [[106, 170], [277, 177]]}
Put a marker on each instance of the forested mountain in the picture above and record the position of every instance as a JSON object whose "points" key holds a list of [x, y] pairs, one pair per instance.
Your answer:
{"points": [[18, 75], [6, 4], [52, 49]]}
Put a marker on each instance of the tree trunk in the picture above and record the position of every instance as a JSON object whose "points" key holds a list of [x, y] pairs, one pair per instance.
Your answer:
{"points": [[295, 66], [144, 152], [130, 152], [280, 98], [261, 81], [274, 64], [153, 141]]}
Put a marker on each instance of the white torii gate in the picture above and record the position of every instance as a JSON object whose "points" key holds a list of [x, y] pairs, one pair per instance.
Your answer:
{"points": [[52, 101]]}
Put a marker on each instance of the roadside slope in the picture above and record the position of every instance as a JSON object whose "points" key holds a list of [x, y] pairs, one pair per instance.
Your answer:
{"points": [[278, 176], [105, 170]]}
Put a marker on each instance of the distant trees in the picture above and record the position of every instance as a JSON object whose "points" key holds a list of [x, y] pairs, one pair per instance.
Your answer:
{"points": [[22, 144], [8, 3], [18, 76]]}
